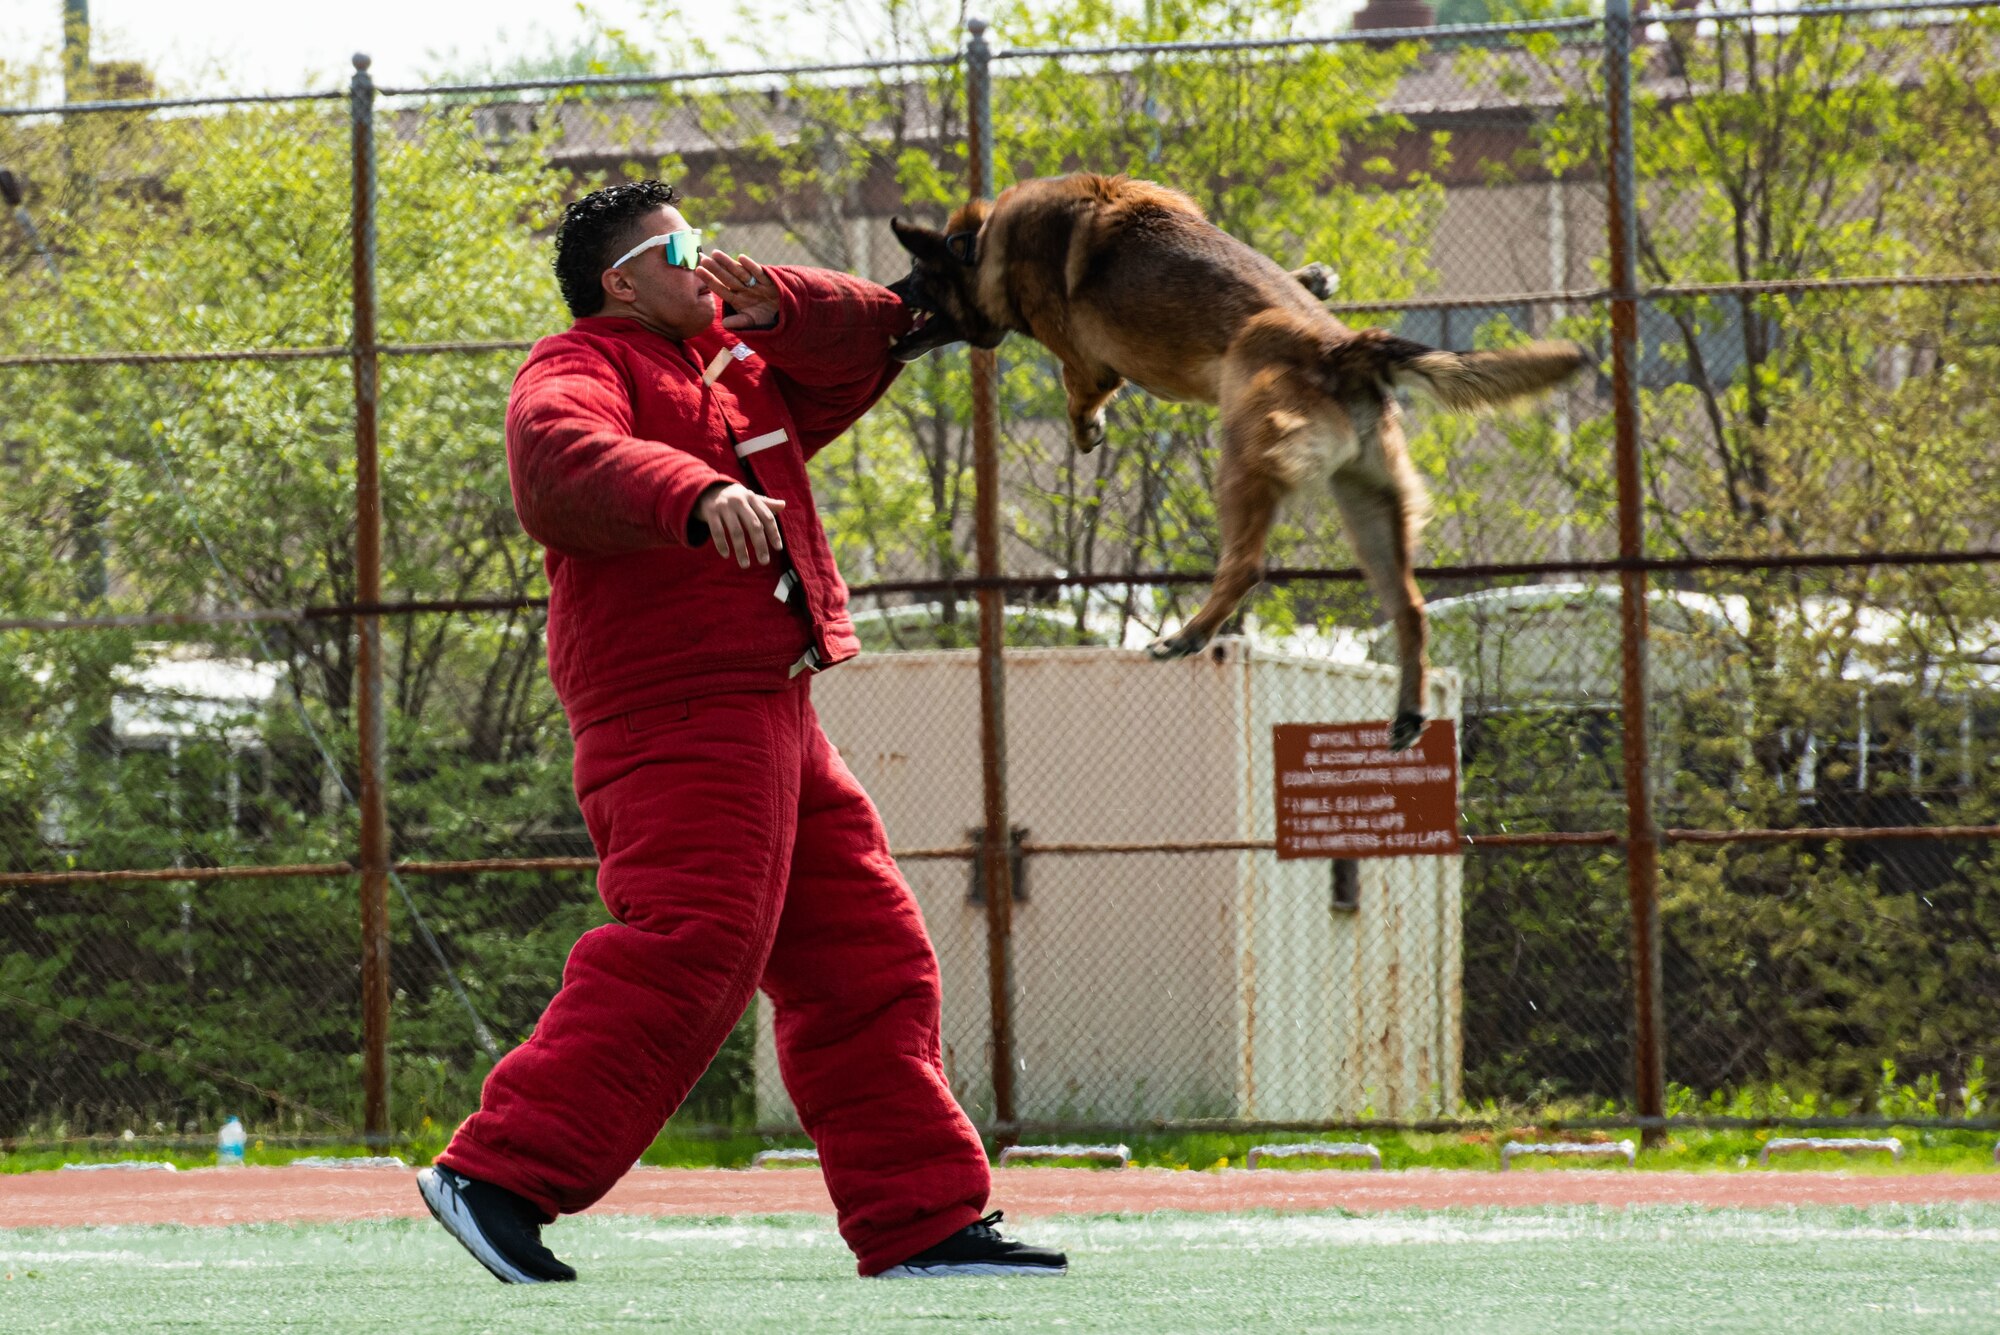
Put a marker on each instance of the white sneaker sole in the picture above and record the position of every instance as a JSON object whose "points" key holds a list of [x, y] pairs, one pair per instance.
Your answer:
{"points": [[449, 1209], [969, 1268]]}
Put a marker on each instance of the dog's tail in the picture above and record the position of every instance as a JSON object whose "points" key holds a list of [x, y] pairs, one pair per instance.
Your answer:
{"points": [[1475, 381], [1350, 362]]}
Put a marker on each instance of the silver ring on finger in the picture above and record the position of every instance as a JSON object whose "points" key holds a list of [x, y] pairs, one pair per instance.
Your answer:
{"points": [[751, 281]]}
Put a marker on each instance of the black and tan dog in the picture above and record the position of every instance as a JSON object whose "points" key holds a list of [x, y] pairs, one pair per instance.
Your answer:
{"points": [[1126, 280]]}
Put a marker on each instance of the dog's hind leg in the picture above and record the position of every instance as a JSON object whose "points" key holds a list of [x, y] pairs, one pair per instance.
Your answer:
{"points": [[1265, 451], [1247, 504], [1382, 501]]}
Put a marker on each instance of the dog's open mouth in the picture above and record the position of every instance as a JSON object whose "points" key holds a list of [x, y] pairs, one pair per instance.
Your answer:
{"points": [[929, 330], [929, 327]]}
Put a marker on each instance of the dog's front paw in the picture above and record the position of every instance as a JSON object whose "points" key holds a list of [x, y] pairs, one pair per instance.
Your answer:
{"points": [[1169, 647], [1403, 733], [1089, 432]]}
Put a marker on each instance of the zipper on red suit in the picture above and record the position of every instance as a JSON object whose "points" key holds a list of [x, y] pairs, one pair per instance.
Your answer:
{"points": [[791, 587]]}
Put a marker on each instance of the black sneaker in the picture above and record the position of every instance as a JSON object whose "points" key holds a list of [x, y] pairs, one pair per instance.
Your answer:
{"points": [[500, 1229], [978, 1249]]}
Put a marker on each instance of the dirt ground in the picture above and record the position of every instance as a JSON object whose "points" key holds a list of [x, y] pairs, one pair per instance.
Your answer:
{"points": [[319, 1195]]}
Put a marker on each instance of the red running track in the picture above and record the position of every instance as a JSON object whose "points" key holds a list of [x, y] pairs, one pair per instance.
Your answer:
{"points": [[327, 1195]]}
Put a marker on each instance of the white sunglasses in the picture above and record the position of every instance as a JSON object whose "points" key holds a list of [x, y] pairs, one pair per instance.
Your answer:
{"points": [[683, 248]]}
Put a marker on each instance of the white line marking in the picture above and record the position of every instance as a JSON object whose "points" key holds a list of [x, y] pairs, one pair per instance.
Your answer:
{"points": [[972, 1268]]}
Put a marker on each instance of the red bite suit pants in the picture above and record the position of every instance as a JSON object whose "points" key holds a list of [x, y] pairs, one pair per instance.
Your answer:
{"points": [[738, 852]]}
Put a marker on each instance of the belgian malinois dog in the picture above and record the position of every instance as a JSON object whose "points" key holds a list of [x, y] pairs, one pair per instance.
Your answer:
{"points": [[1127, 280]]}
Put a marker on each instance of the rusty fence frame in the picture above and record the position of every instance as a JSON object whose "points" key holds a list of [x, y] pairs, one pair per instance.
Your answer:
{"points": [[1640, 838]]}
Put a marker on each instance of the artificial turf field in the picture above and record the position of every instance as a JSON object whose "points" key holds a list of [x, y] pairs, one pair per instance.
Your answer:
{"points": [[1816, 1269]]}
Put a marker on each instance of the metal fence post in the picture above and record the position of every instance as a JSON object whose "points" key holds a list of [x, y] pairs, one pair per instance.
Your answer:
{"points": [[992, 622], [76, 52], [1642, 836], [368, 713]]}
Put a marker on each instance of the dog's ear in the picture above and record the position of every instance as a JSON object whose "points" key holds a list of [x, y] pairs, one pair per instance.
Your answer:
{"points": [[920, 241], [963, 247]]}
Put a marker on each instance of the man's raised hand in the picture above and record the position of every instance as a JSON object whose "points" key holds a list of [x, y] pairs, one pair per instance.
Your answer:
{"points": [[742, 523], [742, 283]]}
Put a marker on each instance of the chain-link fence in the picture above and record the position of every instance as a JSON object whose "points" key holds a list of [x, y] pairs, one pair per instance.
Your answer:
{"points": [[284, 790]]}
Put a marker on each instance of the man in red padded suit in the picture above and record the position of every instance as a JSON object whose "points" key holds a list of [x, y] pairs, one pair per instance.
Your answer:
{"points": [[658, 450]]}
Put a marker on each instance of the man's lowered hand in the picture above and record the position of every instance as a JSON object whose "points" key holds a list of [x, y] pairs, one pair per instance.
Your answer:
{"points": [[742, 523]]}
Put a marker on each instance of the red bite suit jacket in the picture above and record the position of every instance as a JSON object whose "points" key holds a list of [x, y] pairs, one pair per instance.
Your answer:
{"points": [[613, 436]]}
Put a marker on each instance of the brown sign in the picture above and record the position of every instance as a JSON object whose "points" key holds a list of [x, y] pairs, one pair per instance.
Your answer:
{"points": [[1342, 793]]}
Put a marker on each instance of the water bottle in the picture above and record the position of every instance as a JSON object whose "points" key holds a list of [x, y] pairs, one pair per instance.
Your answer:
{"points": [[229, 1145]]}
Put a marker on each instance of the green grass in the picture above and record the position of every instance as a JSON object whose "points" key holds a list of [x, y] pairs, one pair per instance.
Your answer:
{"points": [[1924, 1150], [1647, 1269]]}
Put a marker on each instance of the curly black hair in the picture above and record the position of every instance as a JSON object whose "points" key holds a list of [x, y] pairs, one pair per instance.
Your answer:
{"points": [[595, 231]]}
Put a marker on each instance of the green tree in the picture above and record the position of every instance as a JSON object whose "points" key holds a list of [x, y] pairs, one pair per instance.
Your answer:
{"points": [[1795, 421], [230, 484]]}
